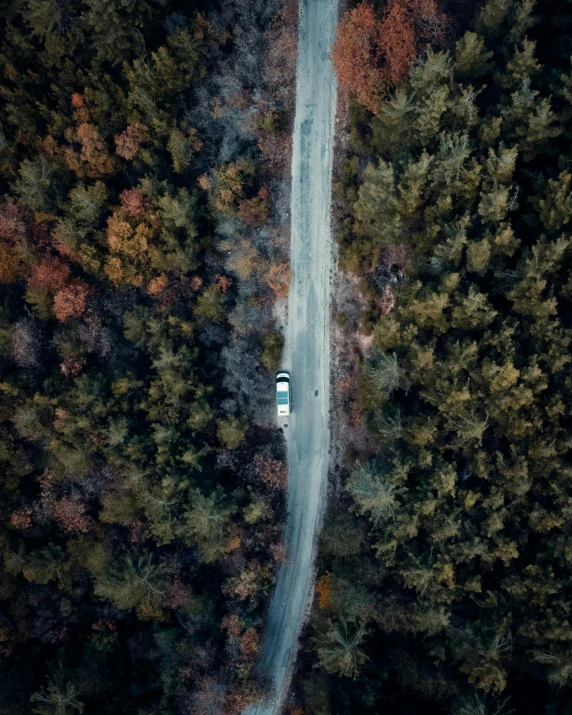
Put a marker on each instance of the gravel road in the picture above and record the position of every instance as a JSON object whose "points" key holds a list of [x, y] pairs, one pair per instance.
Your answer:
{"points": [[307, 349]]}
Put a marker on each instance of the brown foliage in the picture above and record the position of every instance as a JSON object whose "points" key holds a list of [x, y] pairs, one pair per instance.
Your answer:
{"points": [[223, 282], [48, 146], [249, 645], [61, 242], [237, 700], [239, 696], [280, 60], [232, 625], [357, 55], [21, 518], [355, 417], [12, 221], [397, 40], [272, 472], [431, 24], [345, 386], [395, 254], [130, 245], [279, 553], [72, 367], [276, 148], [245, 584], [386, 300], [13, 228], [93, 160], [158, 284], [178, 595], [230, 182], [132, 202], [208, 698], [278, 278], [101, 626], [370, 54], [324, 589], [11, 268], [128, 143], [69, 512], [406, 25], [77, 100], [51, 274], [70, 300], [204, 182], [234, 543], [254, 212], [245, 260]]}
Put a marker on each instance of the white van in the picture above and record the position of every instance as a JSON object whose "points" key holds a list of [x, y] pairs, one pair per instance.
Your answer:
{"points": [[283, 394]]}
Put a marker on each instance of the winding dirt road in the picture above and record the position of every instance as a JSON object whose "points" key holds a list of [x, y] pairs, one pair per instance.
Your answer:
{"points": [[307, 349]]}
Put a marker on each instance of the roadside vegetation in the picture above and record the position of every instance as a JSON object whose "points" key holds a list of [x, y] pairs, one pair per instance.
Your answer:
{"points": [[143, 155], [445, 562]]}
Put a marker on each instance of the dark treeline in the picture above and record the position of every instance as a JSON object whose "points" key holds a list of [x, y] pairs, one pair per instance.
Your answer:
{"points": [[445, 561], [141, 489]]}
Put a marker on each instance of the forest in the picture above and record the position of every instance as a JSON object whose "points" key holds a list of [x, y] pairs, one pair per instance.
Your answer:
{"points": [[445, 562], [143, 155]]}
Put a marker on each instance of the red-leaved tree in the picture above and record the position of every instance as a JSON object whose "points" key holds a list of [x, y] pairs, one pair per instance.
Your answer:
{"points": [[357, 55], [370, 54], [406, 28], [397, 40]]}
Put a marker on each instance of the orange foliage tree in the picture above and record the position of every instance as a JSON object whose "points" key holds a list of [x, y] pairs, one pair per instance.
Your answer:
{"points": [[128, 143], [324, 589], [278, 278], [371, 54], [93, 160], [357, 54], [21, 518], [70, 300], [72, 366], [133, 203], [406, 26], [232, 624], [51, 274], [70, 514], [129, 241], [254, 212], [272, 472], [249, 645], [397, 40], [158, 284]]}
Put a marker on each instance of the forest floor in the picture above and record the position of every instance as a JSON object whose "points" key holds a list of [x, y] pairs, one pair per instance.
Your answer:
{"points": [[307, 348]]}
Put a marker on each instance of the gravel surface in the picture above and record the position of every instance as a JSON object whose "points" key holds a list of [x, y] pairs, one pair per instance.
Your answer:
{"points": [[307, 349]]}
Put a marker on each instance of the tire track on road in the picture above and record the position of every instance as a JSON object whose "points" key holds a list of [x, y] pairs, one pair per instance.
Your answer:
{"points": [[307, 348]]}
